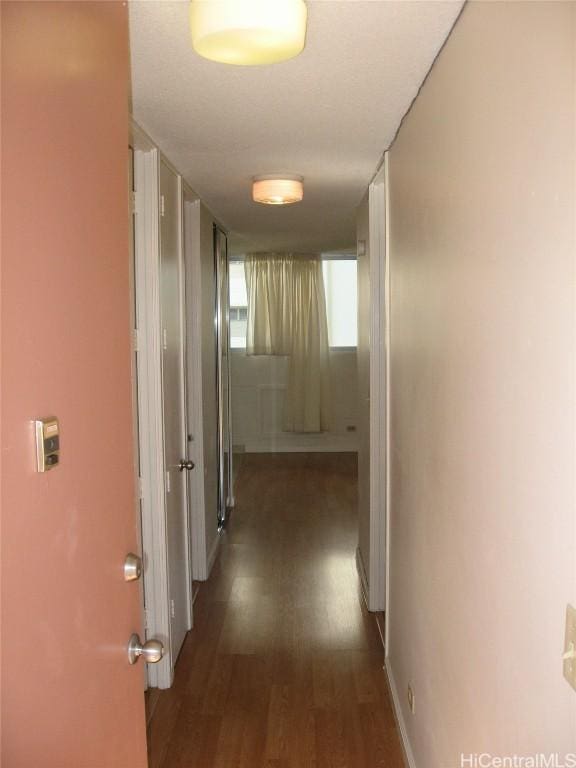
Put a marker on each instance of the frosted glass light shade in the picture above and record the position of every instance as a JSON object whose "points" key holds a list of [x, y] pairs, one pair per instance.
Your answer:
{"points": [[248, 32], [272, 190]]}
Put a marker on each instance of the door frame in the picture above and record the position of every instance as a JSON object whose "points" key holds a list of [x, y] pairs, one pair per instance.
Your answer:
{"points": [[387, 385], [165, 165], [379, 392], [148, 345]]}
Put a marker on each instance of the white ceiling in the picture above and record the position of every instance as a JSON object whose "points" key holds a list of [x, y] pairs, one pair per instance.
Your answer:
{"points": [[328, 114]]}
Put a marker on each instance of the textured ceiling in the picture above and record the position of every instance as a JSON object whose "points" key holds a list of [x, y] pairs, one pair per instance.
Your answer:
{"points": [[328, 114]]}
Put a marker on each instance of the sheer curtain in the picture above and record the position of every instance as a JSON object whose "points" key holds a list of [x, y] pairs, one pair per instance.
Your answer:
{"points": [[287, 316]]}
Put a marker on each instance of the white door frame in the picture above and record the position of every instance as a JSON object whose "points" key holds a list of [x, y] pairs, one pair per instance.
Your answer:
{"points": [[379, 329], [387, 378], [183, 604], [148, 344]]}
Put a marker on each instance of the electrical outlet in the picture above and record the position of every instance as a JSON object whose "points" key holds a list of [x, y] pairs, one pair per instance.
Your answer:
{"points": [[411, 700], [569, 656]]}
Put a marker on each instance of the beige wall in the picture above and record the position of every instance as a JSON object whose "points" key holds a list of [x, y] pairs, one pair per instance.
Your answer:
{"points": [[482, 391]]}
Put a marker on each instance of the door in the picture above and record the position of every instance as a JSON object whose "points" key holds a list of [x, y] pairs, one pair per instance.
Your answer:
{"points": [[176, 463], [69, 696]]}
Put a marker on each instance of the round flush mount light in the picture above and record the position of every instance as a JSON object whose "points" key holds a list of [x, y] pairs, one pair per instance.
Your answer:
{"points": [[277, 190], [248, 32]]}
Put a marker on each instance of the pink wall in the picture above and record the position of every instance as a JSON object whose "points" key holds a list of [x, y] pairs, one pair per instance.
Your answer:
{"points": [[483, 522], [69, 697]]}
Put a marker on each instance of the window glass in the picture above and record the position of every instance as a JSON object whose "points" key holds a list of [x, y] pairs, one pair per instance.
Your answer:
{"points": [[341, 301], [238, 305]]}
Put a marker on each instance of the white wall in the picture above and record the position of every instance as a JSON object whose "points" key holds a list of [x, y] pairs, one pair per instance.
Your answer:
{"points": [[258, 385], [483, 550], [364, 320]]}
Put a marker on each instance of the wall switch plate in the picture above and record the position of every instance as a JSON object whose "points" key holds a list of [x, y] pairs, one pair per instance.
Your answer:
{"points": [[411, 700], [47, 444], [569, 655]]}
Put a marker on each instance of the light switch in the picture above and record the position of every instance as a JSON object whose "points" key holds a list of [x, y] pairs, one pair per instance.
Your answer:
{"points": [[569, 655], [47, 444]]}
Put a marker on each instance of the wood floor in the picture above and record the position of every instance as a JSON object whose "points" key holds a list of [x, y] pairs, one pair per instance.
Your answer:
{"points": [[283, 668]]}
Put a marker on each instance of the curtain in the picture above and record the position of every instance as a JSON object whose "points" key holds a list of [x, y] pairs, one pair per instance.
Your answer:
{"points": [[287, 316]]}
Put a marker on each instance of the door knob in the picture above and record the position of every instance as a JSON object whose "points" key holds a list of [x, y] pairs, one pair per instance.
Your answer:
{"points": [[151, 651], [132, 567], [185, 464]]}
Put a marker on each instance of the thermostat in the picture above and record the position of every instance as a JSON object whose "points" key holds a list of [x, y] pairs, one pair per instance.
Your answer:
{"points": [[47, 444]]}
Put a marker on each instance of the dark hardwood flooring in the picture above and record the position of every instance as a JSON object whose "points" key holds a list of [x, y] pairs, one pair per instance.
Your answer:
{"points": [[283, 668]]}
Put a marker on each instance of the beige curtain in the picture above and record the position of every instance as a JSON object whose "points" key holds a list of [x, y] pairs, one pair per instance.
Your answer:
{"points": [[287, 316]]}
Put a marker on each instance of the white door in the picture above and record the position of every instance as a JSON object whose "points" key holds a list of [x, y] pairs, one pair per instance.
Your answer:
{"points": [[174, 407]]}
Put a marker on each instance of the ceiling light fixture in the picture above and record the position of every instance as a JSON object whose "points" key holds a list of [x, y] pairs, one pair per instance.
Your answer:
{"points": [[248, 32], [277, 190]]}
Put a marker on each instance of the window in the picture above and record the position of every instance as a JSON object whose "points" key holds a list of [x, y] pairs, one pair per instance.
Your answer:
{"points": [[341, 302], [238, 305]]}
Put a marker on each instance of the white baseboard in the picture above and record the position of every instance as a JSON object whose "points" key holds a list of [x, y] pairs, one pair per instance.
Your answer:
{"points": [[362, 574], [378, 615], [286, 443], [213, 554], [399, 717]]}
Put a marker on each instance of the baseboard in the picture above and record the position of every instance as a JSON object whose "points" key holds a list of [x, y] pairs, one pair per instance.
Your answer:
{"points": [[408, 755], [380, 617], [212, 555], [310, 444], [362, 575]]}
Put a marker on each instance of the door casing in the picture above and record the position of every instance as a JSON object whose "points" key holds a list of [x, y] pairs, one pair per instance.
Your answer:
{"points": [[149, 346]]}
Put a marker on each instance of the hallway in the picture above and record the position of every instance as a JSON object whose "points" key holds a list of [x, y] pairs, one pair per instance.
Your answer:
{"points": [[284, 664]]}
